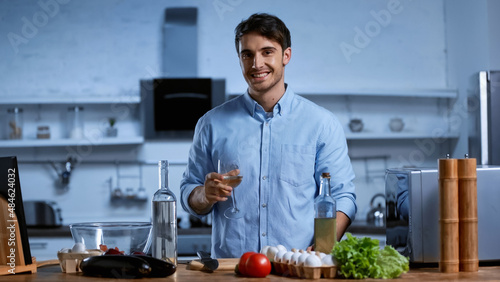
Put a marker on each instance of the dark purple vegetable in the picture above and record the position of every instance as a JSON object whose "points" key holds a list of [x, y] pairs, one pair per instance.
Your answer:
{"points": [[115, 266], [159, 268]]}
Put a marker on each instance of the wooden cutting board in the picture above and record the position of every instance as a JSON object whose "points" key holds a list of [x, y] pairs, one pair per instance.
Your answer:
{"points": [[225, 264]]}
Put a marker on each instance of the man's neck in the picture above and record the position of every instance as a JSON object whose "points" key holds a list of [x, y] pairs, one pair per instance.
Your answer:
{"points": [[269, 98]]}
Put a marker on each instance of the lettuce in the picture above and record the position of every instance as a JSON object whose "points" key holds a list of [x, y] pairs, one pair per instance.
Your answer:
{"points": [[361, 258], [392, 263]]}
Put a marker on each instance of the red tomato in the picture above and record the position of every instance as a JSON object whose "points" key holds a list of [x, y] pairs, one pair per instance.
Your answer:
{"points": [[243, 262], [258, 265]]}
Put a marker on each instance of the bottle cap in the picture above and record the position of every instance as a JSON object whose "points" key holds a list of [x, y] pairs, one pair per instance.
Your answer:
{"points": [[325, 175], [163, 164]]}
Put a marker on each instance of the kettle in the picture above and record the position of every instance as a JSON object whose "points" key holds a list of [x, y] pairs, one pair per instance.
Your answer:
{"points": [[376, 214]]}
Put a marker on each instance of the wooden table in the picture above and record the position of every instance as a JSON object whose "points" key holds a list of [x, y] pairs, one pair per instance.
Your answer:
{"points": [[53, 273]]}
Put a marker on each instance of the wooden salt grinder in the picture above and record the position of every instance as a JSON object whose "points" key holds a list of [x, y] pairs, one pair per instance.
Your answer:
{"points": [[467, 190], [448, 215]]}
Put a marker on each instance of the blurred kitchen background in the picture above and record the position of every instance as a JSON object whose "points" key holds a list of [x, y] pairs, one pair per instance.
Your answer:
{"points": [[398, 74]]}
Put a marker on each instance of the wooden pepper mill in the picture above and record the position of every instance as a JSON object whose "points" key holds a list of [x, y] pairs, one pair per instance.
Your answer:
{"points": [[448, 215], [467, 194]]}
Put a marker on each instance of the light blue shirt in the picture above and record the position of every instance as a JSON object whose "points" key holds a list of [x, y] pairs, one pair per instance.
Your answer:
{"points": [[281, 157]]}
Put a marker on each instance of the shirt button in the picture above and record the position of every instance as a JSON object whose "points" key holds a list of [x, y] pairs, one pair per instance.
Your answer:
{"points": [[264, 177], [264, 205], [267, 123], [264, 234]]}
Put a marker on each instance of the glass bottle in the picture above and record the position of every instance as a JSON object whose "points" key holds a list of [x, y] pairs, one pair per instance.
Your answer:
{"points": [[15, 123], [325, 217], [164, 218], [75, 122]]}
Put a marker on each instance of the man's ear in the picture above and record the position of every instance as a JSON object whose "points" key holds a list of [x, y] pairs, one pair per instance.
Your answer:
{"points": [[287, 55]]}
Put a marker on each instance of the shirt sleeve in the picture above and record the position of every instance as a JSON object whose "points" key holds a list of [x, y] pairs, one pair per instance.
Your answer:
{"points": [[199, 162], [332, 157]]}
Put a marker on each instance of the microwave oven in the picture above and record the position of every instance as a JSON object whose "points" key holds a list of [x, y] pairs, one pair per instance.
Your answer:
{"points": [[172, 106], [412, 212]]}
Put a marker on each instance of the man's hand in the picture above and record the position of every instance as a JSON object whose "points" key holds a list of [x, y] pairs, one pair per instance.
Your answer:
{"points": [[204, 197]]}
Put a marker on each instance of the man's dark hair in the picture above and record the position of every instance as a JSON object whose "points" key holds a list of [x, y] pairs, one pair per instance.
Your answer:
{"points": [[266, 25]]}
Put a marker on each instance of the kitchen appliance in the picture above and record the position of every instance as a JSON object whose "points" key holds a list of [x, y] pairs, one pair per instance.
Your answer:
{"points": [[412, 212], [42, 214], [172, 106], [484, 119], [376, 214]]}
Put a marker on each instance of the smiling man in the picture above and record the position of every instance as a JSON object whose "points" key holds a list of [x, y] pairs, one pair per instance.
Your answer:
{"points": [[282, 143]]}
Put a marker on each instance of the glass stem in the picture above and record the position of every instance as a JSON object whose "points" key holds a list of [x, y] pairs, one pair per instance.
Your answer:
{"points": [[235, 209]]}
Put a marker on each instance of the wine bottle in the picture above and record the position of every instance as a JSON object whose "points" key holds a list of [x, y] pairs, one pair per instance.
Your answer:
{"points": [[164, 218], [325, 217]]}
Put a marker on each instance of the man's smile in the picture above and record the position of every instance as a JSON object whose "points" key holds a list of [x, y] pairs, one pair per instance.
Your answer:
{"points": [[260, 74]]}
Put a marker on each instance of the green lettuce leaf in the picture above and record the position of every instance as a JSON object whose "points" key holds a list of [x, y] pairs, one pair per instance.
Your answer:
{"points": [[392, 263], [361, 258], [357, 257]]}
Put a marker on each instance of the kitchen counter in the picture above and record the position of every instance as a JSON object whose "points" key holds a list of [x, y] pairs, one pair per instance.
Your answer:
{"points": [[53, 273], [364, 227]]}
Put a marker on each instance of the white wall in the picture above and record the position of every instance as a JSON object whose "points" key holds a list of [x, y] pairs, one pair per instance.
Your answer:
{"points": [[103, 48]]}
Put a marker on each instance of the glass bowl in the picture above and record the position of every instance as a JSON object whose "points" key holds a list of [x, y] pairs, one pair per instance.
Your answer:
{"points": [[127, 236]]}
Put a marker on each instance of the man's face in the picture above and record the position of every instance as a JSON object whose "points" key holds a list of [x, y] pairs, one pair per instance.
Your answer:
{"points": [[262, 62]]}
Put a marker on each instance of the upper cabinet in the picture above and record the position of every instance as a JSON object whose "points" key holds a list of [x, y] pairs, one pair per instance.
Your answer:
{"points": [[70, 121]]}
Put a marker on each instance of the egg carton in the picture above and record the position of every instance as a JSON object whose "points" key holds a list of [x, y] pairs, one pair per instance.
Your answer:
{"points": [[291, 270], [70, 262]]}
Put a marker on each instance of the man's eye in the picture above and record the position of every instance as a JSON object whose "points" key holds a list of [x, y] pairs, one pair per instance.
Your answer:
{"points": [[268, 52], [245, 56]]}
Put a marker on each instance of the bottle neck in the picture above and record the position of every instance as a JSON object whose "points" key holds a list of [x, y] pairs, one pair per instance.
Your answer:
{"points": [[325, 187], [163, 174]]}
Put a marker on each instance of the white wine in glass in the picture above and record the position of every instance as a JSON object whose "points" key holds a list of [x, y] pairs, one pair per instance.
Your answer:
{"points": [[231, 180]]}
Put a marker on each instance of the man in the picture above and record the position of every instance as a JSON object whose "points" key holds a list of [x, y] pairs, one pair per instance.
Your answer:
{"points": [[282, 142]]}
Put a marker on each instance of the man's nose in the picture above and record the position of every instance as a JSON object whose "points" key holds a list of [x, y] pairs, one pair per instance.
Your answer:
{"points": [[258, 61]]}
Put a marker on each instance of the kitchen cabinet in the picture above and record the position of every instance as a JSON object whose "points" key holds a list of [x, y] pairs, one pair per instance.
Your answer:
{"points": [[53, 112]]}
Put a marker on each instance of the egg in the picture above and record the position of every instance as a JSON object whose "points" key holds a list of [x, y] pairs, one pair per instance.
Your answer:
{"points": [[281, 248], [287, 257], [271, 253], [312, 261], [78, 248], [279, 256], [322, 255], [65, 250], [328, 260], [295, 257], [302, 258], [264, 250]]}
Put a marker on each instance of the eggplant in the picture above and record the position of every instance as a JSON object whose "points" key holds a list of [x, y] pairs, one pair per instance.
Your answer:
{"points": [[115, 266], [159, 268]]}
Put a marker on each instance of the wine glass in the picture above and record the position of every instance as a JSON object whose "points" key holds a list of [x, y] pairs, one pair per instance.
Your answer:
{"points": [[233, 181]]}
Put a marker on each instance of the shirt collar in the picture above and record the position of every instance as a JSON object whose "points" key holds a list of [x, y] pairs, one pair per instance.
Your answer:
{"points": [[283, 106]]}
